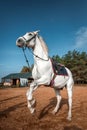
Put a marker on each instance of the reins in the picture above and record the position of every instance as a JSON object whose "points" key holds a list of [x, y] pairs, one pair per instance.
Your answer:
{"points": [[37, 55], [25, 56], [24, 48]]}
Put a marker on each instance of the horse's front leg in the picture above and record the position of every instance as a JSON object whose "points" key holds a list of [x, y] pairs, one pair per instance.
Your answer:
{"points": [[31, 101]]}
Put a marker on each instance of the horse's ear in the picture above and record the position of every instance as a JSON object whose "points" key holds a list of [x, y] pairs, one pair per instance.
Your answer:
{"points": [[36, 32]]}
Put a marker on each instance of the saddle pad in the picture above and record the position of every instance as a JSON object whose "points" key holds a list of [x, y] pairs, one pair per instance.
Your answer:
{"points": [[59, 69]]}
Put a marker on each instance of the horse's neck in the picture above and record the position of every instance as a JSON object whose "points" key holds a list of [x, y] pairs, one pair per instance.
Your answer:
{"points": [[38, 50]]}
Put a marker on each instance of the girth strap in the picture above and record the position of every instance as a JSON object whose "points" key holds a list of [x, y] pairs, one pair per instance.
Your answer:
{"points": [[54, 76]]}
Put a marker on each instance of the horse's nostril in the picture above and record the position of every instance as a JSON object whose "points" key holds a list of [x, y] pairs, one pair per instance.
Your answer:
{"points": [[19, 40]]}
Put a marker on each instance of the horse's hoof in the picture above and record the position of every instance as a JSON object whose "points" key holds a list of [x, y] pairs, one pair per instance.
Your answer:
{"points": [[68, 118], [33, 110], [33, 103], [53, 112]]}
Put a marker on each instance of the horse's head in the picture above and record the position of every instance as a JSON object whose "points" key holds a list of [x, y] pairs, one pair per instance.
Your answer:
{"points": [[27, 39]]}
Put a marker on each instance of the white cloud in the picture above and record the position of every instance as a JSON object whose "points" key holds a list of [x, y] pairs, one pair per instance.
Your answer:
{"points": [[81, 38]]}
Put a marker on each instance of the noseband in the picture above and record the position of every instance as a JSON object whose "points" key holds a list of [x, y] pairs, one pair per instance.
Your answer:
{"points": [[29, 39]]}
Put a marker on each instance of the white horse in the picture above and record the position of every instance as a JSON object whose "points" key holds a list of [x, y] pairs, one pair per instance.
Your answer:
{"points": [[43, 73]]}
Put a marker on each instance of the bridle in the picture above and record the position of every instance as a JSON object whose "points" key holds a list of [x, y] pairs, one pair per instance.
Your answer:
{"points": [[24, 48], [29, 39]]}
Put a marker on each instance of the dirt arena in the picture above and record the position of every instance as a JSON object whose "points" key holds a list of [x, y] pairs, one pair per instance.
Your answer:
{"points": [[14, 114]]}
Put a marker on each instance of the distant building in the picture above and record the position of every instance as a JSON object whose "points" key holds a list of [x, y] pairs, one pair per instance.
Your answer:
{"points": [[17, 79]]}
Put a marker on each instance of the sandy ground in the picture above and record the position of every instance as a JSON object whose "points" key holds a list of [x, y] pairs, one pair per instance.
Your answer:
{"points": [[14, 114]]}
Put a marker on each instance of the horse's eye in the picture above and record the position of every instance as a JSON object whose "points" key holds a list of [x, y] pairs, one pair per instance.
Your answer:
{"points": [[30, 34]]}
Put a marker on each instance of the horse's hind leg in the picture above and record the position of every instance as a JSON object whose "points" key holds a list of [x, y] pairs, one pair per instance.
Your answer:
{"points": [[69, 91], [57, 92]]}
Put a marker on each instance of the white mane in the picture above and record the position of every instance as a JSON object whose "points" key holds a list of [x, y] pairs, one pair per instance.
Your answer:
{"points": [[43, 44]]}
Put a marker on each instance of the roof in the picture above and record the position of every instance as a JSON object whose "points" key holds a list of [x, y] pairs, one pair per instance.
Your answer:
{"points": [[26, 75]]}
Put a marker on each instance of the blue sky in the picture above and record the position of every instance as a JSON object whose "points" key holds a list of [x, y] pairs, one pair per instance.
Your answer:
{"points": [[62, 23]]}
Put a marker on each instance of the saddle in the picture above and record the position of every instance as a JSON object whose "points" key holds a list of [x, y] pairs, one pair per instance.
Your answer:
{"points": [[58, 68]]}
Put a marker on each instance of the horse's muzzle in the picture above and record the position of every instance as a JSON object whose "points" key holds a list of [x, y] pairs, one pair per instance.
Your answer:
{"points": [[20, 42]]}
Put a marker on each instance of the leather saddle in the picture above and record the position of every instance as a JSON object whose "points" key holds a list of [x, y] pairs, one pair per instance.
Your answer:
{"points": [[58, 68]]}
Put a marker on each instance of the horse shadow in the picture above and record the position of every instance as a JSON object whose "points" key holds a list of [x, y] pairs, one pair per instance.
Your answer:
{"points": [[51, 105], [10, 98], [5, 112], [72, 128]]}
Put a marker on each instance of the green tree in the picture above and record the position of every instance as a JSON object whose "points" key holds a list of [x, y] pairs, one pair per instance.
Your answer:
{"points": [[25, 69], [57, 58], [77, 62]]}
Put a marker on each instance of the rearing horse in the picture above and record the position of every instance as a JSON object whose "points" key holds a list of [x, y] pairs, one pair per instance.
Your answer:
{"points": [[43, 73]]}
